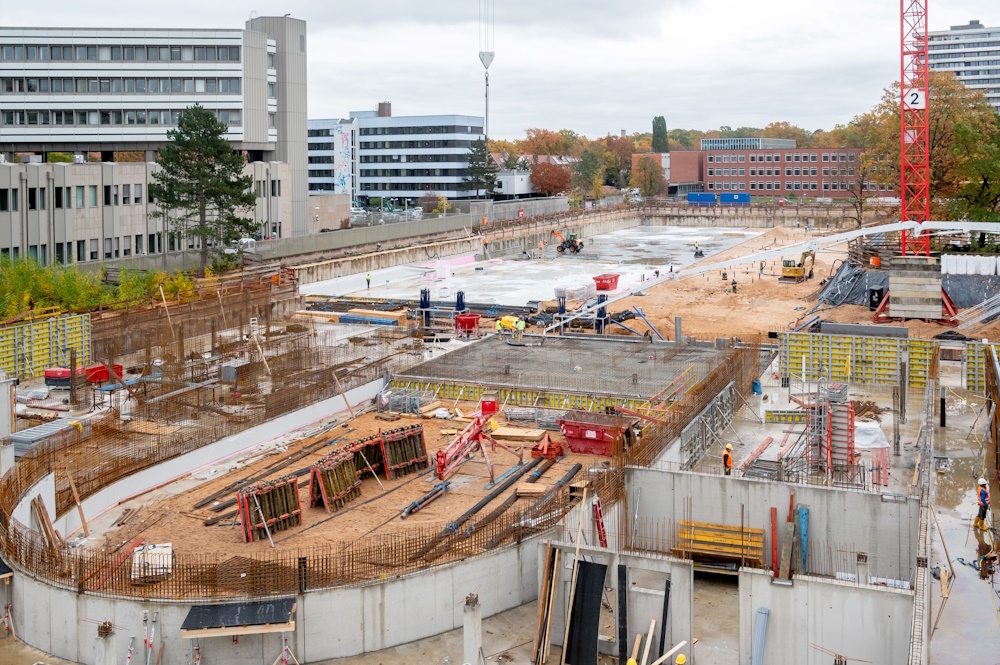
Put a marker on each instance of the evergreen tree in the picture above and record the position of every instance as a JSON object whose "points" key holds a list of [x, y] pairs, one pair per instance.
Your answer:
{"points": [[200, 189], [482, 170], [660, 141]]}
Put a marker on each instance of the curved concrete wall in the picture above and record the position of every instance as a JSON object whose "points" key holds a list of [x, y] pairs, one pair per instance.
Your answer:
{"points": [[329, 623]]}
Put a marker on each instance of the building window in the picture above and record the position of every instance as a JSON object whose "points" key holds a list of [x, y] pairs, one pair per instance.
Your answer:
{"points": [[32, 198], [137, 192], [753, 185], [127, 246], [270, 120], [710, 159], [81, 250], [753, 158], [126, 194], [270, 61], [79, 196], [742, 170], [742, 186], [58, 202], [767, 185], [270, 94], [742, 157], [93, 248]]}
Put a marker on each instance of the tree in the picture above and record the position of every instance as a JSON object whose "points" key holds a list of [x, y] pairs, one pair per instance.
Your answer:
{"points": [[200, 189], [660, 141], [428, 202], [482, 176], [514, 162], [648, 176], [978, 197], [550, 179], [620, 148], [950, 105], [588, 176]]}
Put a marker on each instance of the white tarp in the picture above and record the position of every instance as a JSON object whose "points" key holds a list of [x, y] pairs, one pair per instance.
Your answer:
{"points": [[968, 264], [948, 264], [152, 562], [869, 435]]}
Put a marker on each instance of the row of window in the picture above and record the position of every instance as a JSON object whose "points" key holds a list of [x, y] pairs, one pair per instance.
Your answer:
{"points": [[109, 117], [401, 186], [29, 52], [432, 129], [379, 145], [398, 159], [970, 54], [795, 186], [375, 173], [776, 157], [326, 146], [789, 171], [86, 197], [951, 47], [143, 86]]}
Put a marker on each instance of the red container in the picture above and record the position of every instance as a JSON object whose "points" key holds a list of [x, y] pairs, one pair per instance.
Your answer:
{"points": [[593, 433], [467, 323], [100, 374], [607, 282]]}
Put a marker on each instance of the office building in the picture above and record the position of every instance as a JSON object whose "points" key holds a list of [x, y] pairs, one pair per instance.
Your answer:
{"points": [[972, 52], [333, 157], [407, 157], [69, 213], [108, 91], [802, 172]]}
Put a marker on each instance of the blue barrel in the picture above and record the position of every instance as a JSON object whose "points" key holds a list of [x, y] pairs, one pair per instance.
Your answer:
{"points": [[460, 301], [425, 298], [756, 387]]}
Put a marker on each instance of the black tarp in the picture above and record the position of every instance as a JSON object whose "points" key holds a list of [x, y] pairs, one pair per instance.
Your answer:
{"points": [[585, 617], [237, 615], [5, 570]]}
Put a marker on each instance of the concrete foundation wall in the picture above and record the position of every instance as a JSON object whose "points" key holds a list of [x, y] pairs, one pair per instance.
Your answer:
{"points": [[646, 576], [46, 488], [330, 623], [859, 622], [386, 258], [886, 530]]}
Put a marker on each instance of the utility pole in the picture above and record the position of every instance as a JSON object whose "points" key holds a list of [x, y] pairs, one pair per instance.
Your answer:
{"points": [[486, 27]]}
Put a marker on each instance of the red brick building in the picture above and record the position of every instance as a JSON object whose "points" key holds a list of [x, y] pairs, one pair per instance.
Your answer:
{"points": [[804, 172]]}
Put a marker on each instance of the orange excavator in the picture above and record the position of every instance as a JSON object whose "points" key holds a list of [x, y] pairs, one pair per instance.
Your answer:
{"points": [[571, 245]]}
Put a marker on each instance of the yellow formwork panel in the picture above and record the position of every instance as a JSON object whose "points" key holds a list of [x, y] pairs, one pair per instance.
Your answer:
{"points": [[975, 370], [27, 349], [921, 353], [516, 396], [872, 360]]}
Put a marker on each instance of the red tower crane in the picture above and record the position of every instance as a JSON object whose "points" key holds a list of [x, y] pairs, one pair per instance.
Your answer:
{"points": [[914, 136]]}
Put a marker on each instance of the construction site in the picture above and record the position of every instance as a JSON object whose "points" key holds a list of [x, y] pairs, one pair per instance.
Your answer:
{"points": [[646, 434]]}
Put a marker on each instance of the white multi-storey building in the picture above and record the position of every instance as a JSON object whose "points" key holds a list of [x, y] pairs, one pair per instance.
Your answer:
{"points": [[971, 51], [407, 157], [104, 92], [333, 157]]}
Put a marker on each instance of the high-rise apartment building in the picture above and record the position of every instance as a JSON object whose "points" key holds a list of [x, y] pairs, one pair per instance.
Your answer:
{"points": [[971, 51], [107, 91], [404, 157]]}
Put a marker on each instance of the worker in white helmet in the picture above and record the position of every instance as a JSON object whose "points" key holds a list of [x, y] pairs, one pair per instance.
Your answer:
{"points": [[983, 497], [727, 460]]}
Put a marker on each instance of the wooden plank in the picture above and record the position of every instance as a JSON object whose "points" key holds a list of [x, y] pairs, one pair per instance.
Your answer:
{"points": [[230, 631], [531, 489], [543, 601], [76, 497], [576, 570], [786, 551], [649, 641], [518, 433], [552, 602]]}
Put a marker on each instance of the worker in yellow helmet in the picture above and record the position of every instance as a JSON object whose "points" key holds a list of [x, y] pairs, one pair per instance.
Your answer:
{"points": [[631, 661], [727, 460], [681, 659]]}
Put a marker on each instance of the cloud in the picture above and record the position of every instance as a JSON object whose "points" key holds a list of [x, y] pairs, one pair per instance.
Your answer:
{"points": [[588, 65]]}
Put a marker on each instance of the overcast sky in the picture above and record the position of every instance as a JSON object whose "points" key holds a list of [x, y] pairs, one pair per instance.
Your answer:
{"points": [[589, 65]]}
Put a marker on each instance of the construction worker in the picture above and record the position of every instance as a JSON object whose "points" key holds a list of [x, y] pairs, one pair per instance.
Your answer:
{"points": [[734, 285], [681, 660], [499, 329], [727, 460], [983, 496], [520, 328], [368, 278]]}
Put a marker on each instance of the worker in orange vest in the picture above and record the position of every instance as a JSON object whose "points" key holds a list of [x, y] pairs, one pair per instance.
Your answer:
{"points": [[983, 497], [727, 460]]}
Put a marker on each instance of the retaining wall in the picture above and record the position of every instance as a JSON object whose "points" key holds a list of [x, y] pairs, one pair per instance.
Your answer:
{"points": [[886, 530], [329, 623], [868, 622]]}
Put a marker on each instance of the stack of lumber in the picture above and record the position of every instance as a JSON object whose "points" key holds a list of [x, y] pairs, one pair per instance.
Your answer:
{"points": [[398, 317], [269, 507], [334, 481], [517, 433]]}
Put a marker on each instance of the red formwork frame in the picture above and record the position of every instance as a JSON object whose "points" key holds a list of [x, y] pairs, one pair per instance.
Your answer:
{"points": [[914, 140]]}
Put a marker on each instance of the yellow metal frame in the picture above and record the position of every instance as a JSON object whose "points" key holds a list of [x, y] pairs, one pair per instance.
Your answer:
{"points": [[27, 349], [856, 359], [470, 392]]}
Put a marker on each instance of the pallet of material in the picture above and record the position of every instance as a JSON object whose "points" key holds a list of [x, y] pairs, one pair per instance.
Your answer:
{"points": [[518, 433], [720, 542], [399, 317], [428, 411]]}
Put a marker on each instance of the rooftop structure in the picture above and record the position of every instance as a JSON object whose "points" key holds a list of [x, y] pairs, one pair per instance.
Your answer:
{"points": [[746, 144]]}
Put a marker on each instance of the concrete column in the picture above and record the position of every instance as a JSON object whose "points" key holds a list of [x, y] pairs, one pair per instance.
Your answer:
{"points": [[6, 406], [6, 457], [678, 337], [473, 633], [104, 650]]}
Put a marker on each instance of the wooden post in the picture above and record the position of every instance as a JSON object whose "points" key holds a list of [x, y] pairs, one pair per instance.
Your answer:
{"points": [[649, 641], [222, 309], [343, 394], [76, 497], [167, 310], [576, 569]]}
